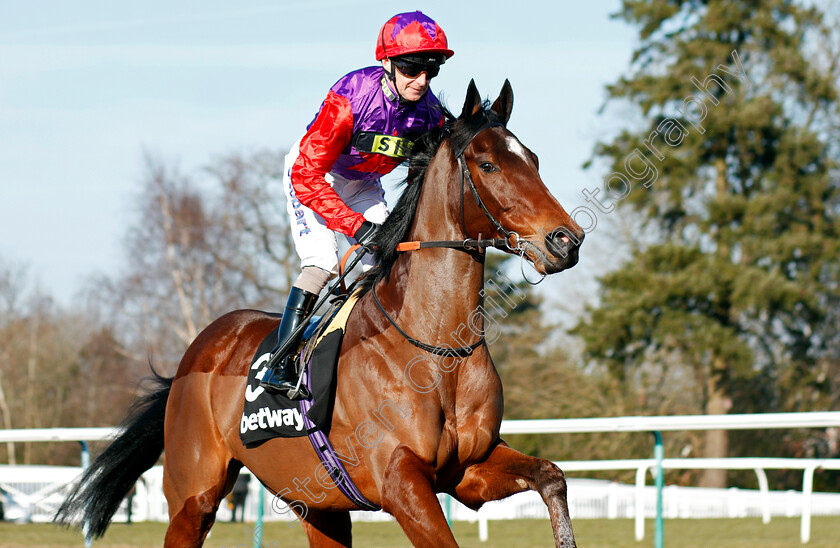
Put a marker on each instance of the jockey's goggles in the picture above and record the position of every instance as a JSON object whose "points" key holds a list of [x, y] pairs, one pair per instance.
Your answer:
{"points": [[411, 69]]}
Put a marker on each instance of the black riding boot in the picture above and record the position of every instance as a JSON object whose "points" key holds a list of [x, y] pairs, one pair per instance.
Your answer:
{"points": [[283, 377]]}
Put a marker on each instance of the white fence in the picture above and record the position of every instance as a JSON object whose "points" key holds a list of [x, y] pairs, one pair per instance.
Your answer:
{"points": [[36, 492], [587, 498]]}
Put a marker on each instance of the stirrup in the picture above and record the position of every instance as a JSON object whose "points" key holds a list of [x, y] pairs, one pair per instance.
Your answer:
{"points": [[300, 392], [273, 384]]}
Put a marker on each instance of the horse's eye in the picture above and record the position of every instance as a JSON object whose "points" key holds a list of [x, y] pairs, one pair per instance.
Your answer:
{"points": [[487, 167]]}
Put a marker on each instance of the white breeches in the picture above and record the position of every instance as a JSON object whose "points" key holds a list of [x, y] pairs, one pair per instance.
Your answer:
{"points": [[316, 244]]}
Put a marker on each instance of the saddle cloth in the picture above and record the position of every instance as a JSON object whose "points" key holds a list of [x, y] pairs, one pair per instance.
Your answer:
{"points": [[267, 415]]}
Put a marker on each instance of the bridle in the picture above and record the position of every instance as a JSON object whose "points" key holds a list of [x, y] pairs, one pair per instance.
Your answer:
{"points": [[511, 242], [475, 247]]}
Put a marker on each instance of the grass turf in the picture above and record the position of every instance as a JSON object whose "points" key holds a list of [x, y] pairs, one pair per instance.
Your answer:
{"points": [[717, 533]]}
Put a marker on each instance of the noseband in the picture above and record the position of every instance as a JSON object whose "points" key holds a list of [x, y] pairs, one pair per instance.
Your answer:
{"points": [[474, 246]]}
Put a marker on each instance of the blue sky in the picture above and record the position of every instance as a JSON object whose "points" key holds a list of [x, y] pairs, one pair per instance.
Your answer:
{"points": [[86, 87]]}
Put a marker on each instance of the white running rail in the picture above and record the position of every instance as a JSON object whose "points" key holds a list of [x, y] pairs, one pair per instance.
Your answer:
{"points": [[827, 419]]}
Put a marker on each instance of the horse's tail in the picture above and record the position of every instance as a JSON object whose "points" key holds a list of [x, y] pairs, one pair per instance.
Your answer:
{"points": [[104, 485]]}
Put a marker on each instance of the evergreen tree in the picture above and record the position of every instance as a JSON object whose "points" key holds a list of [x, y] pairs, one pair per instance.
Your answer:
{"points": [[731, 175], [539, 379]]}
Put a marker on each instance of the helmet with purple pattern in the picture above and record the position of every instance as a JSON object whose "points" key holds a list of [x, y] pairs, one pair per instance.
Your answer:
{"points": [[412, 32]]}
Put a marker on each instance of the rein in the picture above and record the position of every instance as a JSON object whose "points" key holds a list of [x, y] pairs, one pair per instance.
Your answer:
{"points": [[473, 246], [461, 351]]}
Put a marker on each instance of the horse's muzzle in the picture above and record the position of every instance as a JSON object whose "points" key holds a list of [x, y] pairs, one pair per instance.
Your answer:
{"points": [[564, 245]]}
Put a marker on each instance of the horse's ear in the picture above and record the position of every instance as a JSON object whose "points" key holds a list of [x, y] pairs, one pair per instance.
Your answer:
{"points": [[473, 102], [504, 104]]}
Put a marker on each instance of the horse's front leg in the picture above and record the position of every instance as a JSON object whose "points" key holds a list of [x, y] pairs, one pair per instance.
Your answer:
{"points": [[505, 472], [409, 496]]}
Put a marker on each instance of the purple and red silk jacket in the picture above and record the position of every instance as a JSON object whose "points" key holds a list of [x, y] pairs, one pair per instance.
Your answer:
{"points": [[361, 102]]}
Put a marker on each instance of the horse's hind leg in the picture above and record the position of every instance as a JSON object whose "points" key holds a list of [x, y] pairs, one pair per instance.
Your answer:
{"points": [[327, 529], [506, 472], [197, 471]]}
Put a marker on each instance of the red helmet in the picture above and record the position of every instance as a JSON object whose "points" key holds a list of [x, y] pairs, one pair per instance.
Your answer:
{"points": [[411, 32]]}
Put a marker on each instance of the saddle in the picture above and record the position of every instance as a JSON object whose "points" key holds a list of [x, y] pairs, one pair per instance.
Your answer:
{"points": [[267, 415]]}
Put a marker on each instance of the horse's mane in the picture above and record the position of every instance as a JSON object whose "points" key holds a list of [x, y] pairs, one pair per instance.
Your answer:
{"points": [[395, 229]]}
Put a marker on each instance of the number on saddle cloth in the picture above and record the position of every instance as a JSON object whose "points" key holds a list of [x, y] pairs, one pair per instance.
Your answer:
{"points": [[266, 415]]}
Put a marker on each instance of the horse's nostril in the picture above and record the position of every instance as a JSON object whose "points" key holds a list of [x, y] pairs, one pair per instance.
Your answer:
{"points": [[562, 241]]}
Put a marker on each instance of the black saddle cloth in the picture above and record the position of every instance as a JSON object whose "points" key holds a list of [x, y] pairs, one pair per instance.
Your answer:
{"points": [[268, 415]]}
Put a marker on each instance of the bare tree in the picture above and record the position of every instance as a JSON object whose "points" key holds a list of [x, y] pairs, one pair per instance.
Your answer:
{"points": [[10, 290], [201, 246], [39, 346], [252, 237]]}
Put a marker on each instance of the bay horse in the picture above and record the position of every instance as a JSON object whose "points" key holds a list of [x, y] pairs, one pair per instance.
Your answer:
{"points": [[410, 422]]}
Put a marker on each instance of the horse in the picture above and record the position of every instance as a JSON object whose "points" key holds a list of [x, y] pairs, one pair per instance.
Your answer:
{"points": [[411, 422]]}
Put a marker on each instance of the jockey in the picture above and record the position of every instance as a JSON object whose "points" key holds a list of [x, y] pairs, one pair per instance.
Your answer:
{"points": [[362, 132]]}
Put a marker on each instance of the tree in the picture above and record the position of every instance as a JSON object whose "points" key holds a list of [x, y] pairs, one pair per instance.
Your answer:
{"points": [[198, 250], [539, 379], [731, 172], [10, 289], [41, 382]]}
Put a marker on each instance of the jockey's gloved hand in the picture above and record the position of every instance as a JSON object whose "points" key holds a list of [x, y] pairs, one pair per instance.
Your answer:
{"points": [[364, 235]]}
